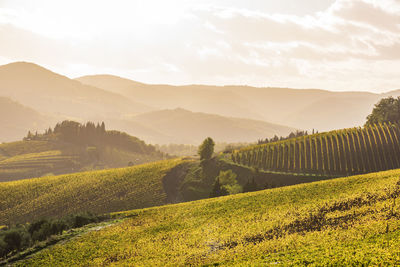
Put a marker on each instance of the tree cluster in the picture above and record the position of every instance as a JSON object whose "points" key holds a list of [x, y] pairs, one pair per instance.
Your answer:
{"points": [[386, 110], [291, 135], [91, 134], [226, 184], [22, 237]]}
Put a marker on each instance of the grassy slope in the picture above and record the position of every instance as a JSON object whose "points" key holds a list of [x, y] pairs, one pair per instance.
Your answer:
{"points": [[97, 191], [21, 147], [28, 159], [31, 156], [344, 221]]}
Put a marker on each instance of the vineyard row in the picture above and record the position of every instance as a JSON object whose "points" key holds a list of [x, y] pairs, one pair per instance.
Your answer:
{"points": [[341, 152]]}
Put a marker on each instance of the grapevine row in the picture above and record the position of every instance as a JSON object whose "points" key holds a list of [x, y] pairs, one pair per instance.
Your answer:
{"points": [[340, 152]]}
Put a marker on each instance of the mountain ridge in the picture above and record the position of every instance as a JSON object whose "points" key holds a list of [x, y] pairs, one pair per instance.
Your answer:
{"points": [[285, 106], [183, 126], [47, 91]]}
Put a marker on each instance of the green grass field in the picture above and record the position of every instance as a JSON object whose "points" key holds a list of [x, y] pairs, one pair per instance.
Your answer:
{"points": [[344, 221], [96, 191]]}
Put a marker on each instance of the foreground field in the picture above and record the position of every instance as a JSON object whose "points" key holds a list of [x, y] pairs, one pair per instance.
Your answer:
{"points": [[96, 191], [345, 221]]}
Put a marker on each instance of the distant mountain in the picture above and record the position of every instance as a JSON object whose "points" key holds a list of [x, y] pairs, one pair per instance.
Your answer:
{"points": [[198, 98], [305, 109], [394, 93], [48, 92], [16, 120], [185, 127], [116, 101]]}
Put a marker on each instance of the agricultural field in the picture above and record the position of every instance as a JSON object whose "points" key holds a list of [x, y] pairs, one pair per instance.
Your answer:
{"points": [[25, 159], [19, 147], [341, 152], [28, 159], [37, 164], [96, 191], [344, 221], [73, 147]]}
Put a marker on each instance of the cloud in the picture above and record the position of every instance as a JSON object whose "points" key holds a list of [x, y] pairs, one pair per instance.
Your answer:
{"points": [[216, 44]]}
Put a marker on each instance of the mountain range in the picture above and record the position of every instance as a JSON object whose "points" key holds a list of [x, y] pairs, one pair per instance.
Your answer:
{"points": [[16, 120], [161, 113], [300, 108], [181, 126]]}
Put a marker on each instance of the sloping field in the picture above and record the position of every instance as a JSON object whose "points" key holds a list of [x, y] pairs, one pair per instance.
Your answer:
{"points": [[341, 152], [97, 191], [344, 221], [21, 147], [37, 164], [28, 159]]}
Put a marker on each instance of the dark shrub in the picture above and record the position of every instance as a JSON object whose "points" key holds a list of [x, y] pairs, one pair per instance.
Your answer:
{"points": [[3, 248], [13, 239], [83, 219]]}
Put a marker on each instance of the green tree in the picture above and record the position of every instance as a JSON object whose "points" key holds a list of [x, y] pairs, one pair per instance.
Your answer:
{"points": [[229, 182], [218, 190], [386, 110], [206, 149]]}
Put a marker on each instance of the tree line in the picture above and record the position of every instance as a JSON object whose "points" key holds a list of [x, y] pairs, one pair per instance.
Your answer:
{"points": [[22, 236], [295, 134], [91, 134]]}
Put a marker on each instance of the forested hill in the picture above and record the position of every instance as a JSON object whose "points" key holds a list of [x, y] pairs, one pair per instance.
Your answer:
{"points": [[70, 147], [90, 134]]}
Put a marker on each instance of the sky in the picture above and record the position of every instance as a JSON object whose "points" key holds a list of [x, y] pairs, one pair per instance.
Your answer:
{"points": [[338, 45]]}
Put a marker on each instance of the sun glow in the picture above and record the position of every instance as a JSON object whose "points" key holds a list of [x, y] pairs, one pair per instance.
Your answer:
{"points": [[88, 19]]}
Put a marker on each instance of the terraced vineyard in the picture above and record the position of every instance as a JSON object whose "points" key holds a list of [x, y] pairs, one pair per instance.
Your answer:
{"points": [[28, 159], [96, 191], [341, 152], [352, 221], [37, 164], [20, 147]]}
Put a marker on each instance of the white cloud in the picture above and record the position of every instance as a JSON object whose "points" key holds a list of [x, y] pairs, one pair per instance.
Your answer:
{"points": [[345, 46]]}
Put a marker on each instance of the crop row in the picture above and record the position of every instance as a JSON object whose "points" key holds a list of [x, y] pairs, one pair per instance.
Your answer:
{"points": [[340, 152]]}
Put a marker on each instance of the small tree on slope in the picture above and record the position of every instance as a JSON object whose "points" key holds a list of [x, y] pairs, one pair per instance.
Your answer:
{"points": [[206, 149]]}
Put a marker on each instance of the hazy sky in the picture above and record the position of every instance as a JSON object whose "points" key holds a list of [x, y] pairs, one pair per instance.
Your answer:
{"points": [[336, 45]]}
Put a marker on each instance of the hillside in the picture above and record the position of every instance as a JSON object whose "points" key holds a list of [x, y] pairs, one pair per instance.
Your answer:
{"points": [[303, 109], [97, 191], [16, 120], [339, 152], [185, 127], [49, 92], [345, 221], [72, 147], [190, 180]]}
